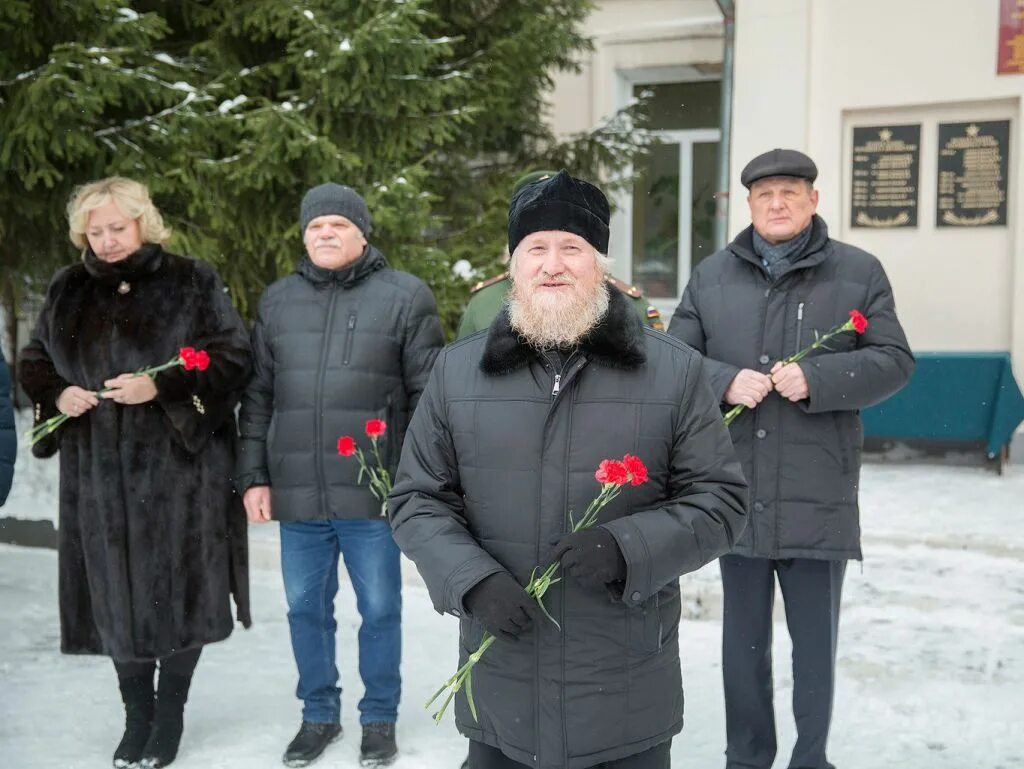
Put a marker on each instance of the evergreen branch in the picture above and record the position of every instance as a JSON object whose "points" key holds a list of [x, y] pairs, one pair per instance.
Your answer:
{"points": [[148, 119]]}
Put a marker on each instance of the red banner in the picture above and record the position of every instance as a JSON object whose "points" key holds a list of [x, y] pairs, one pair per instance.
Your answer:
{"points": [[1011, 37]]}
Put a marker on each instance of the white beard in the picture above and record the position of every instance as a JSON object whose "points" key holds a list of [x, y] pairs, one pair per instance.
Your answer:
{"points": [[557, 319]]}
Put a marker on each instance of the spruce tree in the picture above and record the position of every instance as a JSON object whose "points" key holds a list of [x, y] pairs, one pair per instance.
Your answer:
{"points": [[230, 111]]}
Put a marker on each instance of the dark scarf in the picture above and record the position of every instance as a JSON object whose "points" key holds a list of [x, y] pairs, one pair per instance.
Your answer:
{"points": [[775, 255], [138, 264], [369, 262], [617, 341]]}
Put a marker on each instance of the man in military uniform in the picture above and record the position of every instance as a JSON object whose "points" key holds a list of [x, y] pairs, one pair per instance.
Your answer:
{"points": [[489, 295]]}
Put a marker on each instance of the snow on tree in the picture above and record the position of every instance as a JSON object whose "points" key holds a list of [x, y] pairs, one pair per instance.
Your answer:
{"points": [[230, 111]]}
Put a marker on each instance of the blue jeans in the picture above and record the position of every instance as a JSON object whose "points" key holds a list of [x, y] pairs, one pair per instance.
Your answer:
{"points": [[309, 564]]}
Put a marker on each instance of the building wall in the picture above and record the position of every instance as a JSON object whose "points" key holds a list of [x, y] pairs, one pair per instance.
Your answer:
{"points": [[806, 73], [635, 41]]}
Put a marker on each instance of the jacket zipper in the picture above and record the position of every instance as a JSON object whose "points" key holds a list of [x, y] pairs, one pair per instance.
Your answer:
{"points": [[318, 398], [661, 622], [561, 585], [799, 325], [556, 388], [537, 554], [349, 338]]}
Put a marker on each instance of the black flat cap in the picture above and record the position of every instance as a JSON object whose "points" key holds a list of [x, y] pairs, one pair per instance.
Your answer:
{"points": [[779, 163]]}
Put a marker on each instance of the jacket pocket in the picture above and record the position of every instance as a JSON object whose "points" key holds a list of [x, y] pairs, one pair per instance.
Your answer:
{"points": [[655, 622], [275, 460], [350, 333], [471, 633], [799, 327], [843, 441]]}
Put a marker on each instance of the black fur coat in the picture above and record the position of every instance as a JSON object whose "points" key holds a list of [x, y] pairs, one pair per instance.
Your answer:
{"points": [[152, 538]]}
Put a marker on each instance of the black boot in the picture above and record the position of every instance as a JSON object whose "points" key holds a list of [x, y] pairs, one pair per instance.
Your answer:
{"points": [[137, 693], [312, 739], [168, 721], [378, 747]]}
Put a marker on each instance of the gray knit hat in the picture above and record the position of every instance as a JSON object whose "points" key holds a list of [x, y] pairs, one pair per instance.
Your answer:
{"points": [[338, 200]]}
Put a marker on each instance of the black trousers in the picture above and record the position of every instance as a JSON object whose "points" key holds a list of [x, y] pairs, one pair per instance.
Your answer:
{"points": [[811, 592], [483, 756], [182, 664]]}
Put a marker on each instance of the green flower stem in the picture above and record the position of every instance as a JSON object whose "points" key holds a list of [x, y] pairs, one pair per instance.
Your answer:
{"points": [[536, 588], [379, 480], [735, 411], [176, 361], [463, 676], [51, 425]]}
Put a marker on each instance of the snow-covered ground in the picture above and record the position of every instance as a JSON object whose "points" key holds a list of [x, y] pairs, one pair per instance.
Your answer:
{"points": [[931, 652]]}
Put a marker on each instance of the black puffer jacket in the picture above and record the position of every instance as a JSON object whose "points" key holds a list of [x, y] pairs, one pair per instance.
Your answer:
{"points": [[8, 440], [494, 464], [802, 460], [332, 350]]}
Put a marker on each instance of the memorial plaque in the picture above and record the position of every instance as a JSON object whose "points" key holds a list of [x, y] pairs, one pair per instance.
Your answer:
{"points": [[1010, 60], [972, 178], [886, 160]]}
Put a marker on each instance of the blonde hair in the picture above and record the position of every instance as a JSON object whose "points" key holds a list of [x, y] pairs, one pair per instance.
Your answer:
{"points": [[130, 196]]}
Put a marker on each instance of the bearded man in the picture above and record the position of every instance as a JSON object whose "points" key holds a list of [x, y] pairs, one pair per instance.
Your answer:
{"points": [[502, 451]]}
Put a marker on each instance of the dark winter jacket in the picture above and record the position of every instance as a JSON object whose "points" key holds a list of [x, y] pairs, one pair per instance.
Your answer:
{"points": [[332, 350], [152, 537], [494, 464], [8, 439], [802, 460]]}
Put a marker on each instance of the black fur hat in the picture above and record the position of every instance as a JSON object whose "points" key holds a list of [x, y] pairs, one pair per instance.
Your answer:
{"points": [[559, 203]]}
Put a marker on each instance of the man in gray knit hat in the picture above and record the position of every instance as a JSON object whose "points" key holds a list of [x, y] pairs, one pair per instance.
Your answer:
{"points": [[342, 341]]}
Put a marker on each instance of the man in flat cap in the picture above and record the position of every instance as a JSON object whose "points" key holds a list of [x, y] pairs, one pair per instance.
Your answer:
{"points": [[487, 296], [342, 340], [769, 293], [501, 457]]}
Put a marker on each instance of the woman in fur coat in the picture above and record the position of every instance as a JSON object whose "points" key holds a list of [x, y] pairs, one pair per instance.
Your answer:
{"points": [[152, 538]]}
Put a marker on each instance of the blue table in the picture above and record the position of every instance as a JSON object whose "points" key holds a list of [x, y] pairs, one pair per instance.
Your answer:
{"points": [[954, 396]]}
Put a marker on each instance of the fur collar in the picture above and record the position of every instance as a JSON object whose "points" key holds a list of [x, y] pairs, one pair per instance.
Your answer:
{"points": [[617, 341], [145, 261]]}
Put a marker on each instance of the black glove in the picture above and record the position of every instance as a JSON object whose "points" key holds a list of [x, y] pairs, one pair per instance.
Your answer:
{"points": [[592, 556], [500, 604]]}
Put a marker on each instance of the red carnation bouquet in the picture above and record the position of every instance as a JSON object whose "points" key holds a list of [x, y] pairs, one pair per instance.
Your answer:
{"points": [[378, 477], [188, 358], [612, 474], [856, 322]]}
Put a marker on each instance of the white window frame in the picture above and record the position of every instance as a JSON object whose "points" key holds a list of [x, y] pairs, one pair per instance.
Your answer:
{"points": [[621, 250]]}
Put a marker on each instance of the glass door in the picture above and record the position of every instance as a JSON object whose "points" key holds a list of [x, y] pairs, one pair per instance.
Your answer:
{"points": [[674, 212]]}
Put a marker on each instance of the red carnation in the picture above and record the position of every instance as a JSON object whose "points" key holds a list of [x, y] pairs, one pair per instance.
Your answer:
{"points": [[612, 471], [346, 445], [860, 323], [636, 468], [191, 358], [375, 427]]}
